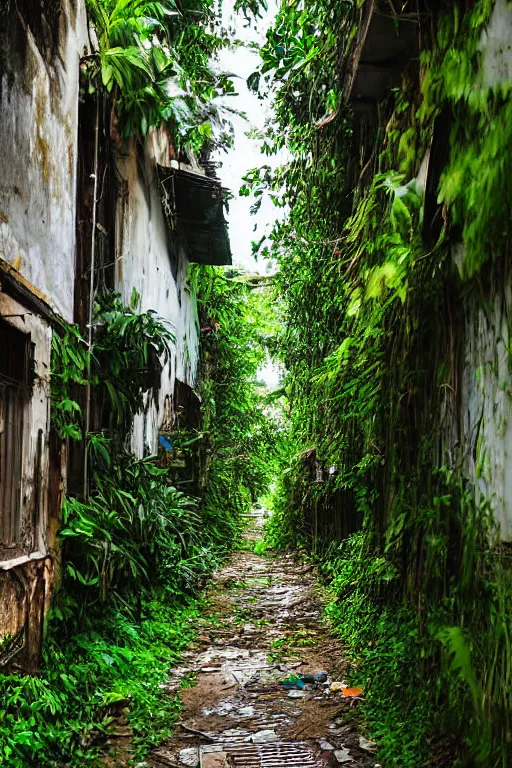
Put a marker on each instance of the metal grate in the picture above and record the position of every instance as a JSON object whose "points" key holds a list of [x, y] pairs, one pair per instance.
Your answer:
{"points": [[278, 754]]}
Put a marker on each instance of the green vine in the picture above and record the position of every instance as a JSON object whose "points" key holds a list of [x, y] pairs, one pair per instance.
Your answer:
{"points": [[372, 486], [238, 453]]}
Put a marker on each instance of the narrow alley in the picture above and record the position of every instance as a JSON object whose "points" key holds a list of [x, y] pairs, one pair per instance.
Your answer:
{"points": [[271, 686], [255, 256]]}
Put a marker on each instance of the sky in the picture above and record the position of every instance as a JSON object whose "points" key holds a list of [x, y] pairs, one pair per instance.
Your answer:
{"points": [[245, 153]]}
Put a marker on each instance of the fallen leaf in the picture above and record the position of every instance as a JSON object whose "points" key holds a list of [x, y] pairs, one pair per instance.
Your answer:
{"points": [[352, 691]]}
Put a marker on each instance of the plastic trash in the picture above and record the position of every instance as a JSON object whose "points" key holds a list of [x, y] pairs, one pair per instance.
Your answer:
{"points": [[299, 681]]}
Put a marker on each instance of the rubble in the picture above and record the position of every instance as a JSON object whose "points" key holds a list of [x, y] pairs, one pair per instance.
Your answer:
{"points": [[189, 756], [268, 676], [368, 746], [323, 744]]}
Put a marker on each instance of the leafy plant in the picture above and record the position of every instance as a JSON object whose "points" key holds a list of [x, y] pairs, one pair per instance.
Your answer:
{"points": [[133, 521], [69, 372], [371, 483], [129, 353], [154, 59]]}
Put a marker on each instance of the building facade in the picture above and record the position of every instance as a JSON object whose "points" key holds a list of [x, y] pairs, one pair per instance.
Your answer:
{"points": [[48, 202]]}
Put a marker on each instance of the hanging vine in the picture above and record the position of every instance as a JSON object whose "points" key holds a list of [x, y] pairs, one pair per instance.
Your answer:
{"points": [[373, 301]]}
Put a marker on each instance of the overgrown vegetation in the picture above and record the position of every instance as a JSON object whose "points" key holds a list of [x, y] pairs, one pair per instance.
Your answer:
{"points": [[118, 622], [99, 672], [136, 550], [155, 60], [239, 430], [376, 485], [133, 515], [374, 481]]}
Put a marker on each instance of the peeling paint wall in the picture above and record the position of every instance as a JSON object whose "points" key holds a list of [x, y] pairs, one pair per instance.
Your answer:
{"points": [[486, 388], [151, 261], [496, 46], [486, 399], [40, 46]]}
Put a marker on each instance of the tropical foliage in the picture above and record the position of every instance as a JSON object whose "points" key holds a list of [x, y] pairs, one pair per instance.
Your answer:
{"points": [[126, 361], [154, 59], [372, 487], [239, 430], [113, 665]]}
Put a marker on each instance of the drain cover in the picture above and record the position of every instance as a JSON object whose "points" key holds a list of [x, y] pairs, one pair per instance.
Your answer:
{"points": [[278, 754]]}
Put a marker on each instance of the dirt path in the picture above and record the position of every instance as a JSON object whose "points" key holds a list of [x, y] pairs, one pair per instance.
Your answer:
{"points": [[264, 625]]}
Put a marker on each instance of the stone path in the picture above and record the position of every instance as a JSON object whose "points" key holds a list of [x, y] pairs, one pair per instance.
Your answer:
{"points": [[264, 626]]}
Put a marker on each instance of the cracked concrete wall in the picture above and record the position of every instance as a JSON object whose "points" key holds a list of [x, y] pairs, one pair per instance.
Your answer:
{"points": [[40, 48]]}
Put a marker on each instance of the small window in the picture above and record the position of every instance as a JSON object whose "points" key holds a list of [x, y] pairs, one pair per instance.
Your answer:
{"points": [[14, 388]]}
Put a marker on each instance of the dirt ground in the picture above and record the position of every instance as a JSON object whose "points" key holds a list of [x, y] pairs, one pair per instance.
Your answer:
{"points": [[263, 627]]}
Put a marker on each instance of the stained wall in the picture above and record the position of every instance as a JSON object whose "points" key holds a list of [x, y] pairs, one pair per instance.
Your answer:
{"points": [[151, 260], [40, 48]]}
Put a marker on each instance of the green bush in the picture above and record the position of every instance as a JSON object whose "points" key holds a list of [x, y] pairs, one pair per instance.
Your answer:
{"points": [[116, 658]]}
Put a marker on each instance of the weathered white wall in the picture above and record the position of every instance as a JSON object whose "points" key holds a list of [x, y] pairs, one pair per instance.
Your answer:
{"points": [[148, 260], [39, 81], [486, 387], [496, 46], [486, 400], [40, 49]]}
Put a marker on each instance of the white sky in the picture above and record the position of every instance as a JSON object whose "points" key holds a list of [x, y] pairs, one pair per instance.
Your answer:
{"points": [[245, 154]]}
